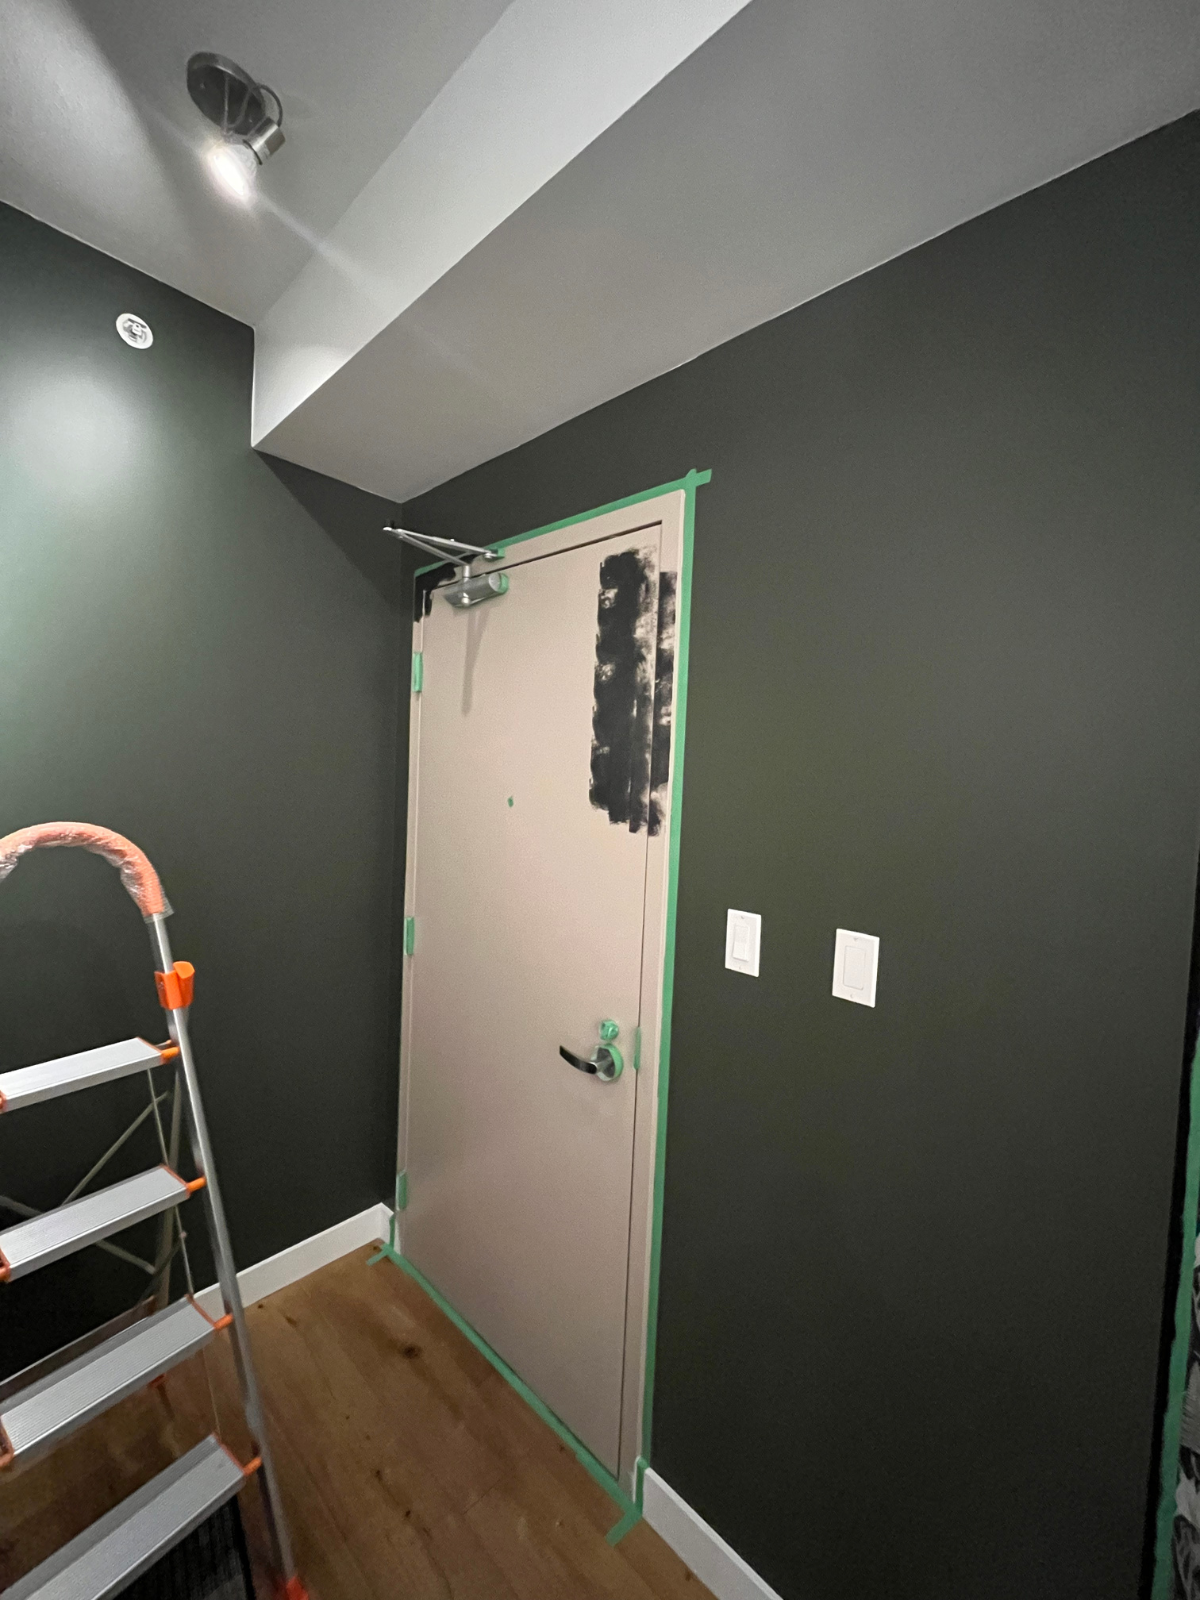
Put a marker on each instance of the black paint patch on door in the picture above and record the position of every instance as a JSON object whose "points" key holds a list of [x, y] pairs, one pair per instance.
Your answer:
{"points": [[631, 708], [664, 684]]}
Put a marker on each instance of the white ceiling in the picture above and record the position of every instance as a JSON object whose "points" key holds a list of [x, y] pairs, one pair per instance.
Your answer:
{"points": [[489, 218], [99, 138], [801, 145], [533, 94]]}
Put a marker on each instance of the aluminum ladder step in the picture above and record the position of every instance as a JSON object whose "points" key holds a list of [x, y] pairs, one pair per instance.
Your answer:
{"points": [[108, 1556], [38, 1416], [26, 1086], [59, 1233]]}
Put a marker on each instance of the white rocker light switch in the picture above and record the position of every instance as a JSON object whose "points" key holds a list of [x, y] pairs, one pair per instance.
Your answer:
{"points": [[743, 936], [855, 966]]}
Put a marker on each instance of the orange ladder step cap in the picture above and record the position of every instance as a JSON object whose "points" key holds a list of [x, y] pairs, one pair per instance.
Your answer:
{"points": [[175, 988]]}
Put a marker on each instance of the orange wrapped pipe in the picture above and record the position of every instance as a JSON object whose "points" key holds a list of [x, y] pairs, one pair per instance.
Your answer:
{"points": [[137, 874]]}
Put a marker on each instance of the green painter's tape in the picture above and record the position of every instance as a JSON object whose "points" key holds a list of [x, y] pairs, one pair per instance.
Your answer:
{"points": [[418, 673], [578, 1449], [683, 625], [688, 484], [1164, 1572], [630, 1520], [402, 1190], [410, 935]]}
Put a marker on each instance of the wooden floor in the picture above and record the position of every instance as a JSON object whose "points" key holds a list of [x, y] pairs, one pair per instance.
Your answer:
{"points": [[411, 1470]]}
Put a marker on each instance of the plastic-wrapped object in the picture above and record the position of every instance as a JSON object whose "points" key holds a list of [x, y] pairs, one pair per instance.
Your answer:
{"points": [[137, 874]]}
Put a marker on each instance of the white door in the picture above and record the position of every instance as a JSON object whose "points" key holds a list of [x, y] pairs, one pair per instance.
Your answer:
{"points": [[539, 780]]}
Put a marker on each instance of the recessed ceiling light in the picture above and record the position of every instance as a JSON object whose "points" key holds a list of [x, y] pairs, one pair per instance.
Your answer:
{"points": [[248, 114]]}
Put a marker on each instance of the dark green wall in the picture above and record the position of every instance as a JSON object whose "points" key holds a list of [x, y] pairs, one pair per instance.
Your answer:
{"points": [[204, 650], [945, 688]]}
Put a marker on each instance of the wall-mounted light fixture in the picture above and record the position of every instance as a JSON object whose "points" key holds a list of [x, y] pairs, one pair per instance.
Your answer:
{"points": [[248, 114]]}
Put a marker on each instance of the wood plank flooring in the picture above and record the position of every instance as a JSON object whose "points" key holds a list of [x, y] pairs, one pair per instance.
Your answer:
{"points": [[411, 1470]]}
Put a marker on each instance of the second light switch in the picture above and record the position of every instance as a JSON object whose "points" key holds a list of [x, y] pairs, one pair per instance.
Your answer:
{"points": [[855, 966], [743, 935]]}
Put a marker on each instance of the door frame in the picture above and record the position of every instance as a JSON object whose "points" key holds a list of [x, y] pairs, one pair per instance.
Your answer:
{"points": [[672, 505]]}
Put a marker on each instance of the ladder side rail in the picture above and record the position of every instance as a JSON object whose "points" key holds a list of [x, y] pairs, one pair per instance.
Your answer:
{"points": [[231, 1296]]}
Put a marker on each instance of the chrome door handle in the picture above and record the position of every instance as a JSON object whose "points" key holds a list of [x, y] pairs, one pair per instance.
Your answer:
{"points": [[604, 1062]]}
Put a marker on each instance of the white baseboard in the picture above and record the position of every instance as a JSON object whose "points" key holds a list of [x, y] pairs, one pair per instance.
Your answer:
{"points": [[298, 1260], [714, 1562]]}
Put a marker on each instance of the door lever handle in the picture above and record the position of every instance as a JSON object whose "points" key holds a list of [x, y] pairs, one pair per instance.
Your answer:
{"points": [[577, 1062], [604, 1062]]}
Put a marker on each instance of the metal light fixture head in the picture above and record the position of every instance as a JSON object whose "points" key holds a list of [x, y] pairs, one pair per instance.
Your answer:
{"points": [[248, 115]]}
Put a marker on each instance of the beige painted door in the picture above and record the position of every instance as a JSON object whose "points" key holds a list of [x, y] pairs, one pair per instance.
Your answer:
{"points": [[537, 781]]}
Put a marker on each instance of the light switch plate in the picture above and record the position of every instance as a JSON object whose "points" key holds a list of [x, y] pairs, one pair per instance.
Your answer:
{"points": [[855, 966], [743, 936]]}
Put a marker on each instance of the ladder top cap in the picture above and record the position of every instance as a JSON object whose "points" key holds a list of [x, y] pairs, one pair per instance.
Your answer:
{"points": [[137, 873]]}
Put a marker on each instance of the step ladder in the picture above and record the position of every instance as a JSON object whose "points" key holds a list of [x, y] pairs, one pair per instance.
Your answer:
{"points": [[60, 1395]]}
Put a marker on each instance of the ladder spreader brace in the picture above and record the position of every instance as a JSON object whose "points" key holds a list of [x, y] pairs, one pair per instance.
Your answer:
{"points": [[128, 1540]]}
